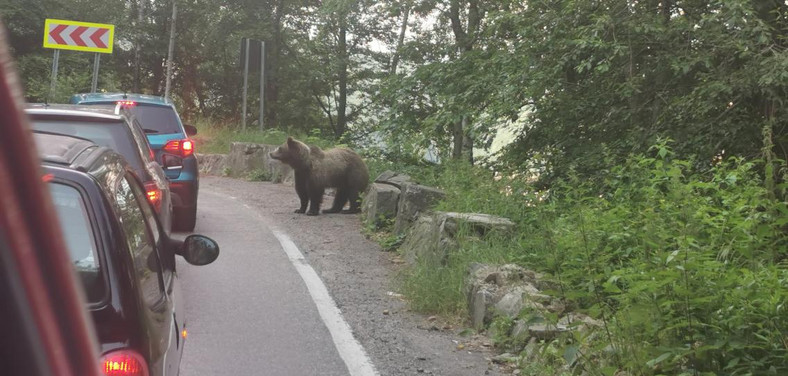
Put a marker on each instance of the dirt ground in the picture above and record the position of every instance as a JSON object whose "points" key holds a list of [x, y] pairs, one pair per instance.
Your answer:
{"points": [[362, 281]]}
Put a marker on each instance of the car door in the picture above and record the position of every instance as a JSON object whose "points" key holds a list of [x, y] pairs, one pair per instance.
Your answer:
{"points": [[144, 240], [171, 289]]}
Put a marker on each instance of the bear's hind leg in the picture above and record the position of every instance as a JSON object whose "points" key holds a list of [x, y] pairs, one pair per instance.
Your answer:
{"points": [[339, 202], [355, 203]]}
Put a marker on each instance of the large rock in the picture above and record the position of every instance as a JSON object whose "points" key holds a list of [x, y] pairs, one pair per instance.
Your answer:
{"points": [[431, 239], [501, 290], [212, 164], [393, 178], [247, 158], [414, 199], [426, 241], [515, 292], [479, 224], [380, 204]]}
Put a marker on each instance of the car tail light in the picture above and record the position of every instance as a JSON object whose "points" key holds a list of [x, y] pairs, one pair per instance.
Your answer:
{"points": [[184, 148], [153, 193], [123, 363], [127, 103]]}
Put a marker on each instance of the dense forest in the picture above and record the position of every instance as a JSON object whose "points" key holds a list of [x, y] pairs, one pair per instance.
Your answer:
{"points": [[646, 170]]}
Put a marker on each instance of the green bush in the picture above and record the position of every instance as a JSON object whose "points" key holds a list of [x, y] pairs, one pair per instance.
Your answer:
{"points": [[686, 270]]}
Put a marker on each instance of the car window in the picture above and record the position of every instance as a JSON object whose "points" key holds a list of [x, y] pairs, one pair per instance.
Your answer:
{"points": [[78, 234], [156, 119], [167, 259], [142, 141], [114, 135], [147, 266]]}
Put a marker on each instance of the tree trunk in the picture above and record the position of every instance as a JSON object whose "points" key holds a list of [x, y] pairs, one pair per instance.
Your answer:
{"points": [[341, 126], [464, 39], [400, 40], [272, 56], [467, 140], [457, 140]]}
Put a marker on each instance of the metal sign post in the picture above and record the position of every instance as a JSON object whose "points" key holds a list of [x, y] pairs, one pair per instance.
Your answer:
{"points": [[168, 80], [246, 82], [96, 61], [53, 84], [262, 84], [77, 36]]}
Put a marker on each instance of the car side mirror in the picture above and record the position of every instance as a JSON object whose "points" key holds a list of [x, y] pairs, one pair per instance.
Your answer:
{"points": [[199, 250], [190, 129]]}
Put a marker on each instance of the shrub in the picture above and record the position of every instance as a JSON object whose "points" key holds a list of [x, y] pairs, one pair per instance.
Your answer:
{"points": [[686, 269]]}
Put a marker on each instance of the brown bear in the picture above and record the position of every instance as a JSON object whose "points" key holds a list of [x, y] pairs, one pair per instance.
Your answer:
{"points": [[316, 169]]}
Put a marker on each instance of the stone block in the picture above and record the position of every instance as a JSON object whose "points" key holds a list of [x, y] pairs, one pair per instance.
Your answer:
{"points": [[380, 203], [212, 164], [245, 158], [414, 199]]}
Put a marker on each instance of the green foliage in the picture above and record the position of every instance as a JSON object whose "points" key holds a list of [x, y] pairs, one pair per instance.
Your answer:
{"points": [[259, 175], [685, 266], [500, 332], [605, 81], [391, 242]]}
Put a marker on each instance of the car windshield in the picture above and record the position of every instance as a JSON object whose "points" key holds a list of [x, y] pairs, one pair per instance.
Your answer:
{"points": [[112, 134], [156, 119], [78, 234]]}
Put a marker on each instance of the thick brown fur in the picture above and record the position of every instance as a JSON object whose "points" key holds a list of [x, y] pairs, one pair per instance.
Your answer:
{"points": [[316, 169]]}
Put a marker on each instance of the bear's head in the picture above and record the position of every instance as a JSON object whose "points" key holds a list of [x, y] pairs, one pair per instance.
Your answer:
{"points": [[293, 152]]}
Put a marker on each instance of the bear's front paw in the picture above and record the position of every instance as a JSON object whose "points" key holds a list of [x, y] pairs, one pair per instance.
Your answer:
{"points": [[351, 211], [300, 211], [312, 212], [330, 211]]}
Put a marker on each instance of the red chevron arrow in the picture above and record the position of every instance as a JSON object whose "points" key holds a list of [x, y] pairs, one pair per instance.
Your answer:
{"points": [[96, 38], [76, 35], [55, 34]]}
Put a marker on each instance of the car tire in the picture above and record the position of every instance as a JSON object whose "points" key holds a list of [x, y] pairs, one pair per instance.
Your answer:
{"points": [[185, 219]]}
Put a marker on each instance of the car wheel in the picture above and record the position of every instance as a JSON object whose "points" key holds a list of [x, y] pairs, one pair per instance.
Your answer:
{"points": [[185, 219]]}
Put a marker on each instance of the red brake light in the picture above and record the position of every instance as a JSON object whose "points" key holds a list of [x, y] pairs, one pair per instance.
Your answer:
{"points": [[154, 194], [184, 148], [47, 178], [127, 103], [123, 363], [188, 147]]}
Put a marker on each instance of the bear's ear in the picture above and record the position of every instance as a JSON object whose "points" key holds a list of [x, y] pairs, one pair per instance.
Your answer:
{"points": [[291, 142]]}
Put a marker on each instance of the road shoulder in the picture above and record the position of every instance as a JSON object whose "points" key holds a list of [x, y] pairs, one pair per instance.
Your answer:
{"points": [[361, 279]]}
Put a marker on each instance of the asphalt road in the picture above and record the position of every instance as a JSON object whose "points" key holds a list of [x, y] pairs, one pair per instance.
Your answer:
{"points": [[250, 312]]}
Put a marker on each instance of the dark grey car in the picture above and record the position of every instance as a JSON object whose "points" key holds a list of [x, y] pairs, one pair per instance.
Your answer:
{"points": [[118, 130]]}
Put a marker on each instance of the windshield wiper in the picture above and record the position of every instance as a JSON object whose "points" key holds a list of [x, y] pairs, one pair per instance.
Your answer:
{"points": [[148, 130]]}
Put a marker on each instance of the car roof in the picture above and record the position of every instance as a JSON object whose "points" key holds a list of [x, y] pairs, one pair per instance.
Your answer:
{"points": [[70, 110], [60, 149], [107, 97]]}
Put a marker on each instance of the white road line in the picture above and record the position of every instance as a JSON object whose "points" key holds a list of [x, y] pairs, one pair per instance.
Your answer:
{"points": [[349, 348]]}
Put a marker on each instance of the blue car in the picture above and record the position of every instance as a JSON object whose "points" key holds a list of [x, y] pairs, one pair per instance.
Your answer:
{"points": [[169, 139]]}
